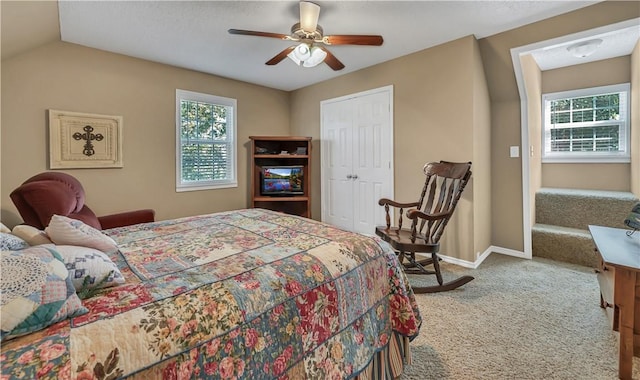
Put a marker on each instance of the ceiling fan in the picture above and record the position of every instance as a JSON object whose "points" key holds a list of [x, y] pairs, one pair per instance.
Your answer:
{"points": [[311, 51]]}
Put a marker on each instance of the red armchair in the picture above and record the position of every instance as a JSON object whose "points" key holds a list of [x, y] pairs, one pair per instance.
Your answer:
{"points": [[49, 193]]}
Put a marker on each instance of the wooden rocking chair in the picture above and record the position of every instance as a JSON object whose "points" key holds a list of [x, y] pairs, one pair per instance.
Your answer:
{"points": [[442, 189]]}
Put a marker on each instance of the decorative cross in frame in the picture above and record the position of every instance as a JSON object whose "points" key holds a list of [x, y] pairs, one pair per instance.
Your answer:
{"points": [[84, 140], [88, 136]]}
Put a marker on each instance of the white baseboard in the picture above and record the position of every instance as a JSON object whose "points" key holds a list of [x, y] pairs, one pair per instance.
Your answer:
{"points": [[475, 264], [509, 252]]}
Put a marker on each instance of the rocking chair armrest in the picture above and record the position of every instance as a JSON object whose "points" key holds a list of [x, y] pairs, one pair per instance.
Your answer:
{"points": [[415, 214], [385, 201]]}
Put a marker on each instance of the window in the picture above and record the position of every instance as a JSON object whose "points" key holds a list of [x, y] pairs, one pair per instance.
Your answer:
{"points": [[588, 125], [205, 141]]}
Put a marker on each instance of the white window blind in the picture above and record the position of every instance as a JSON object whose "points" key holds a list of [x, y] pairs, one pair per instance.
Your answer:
{"points": [[205, 139], [588, 125]]}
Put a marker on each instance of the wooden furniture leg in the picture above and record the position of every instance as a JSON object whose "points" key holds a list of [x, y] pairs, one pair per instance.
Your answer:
{"points": [[625, 299], [619, 279]]}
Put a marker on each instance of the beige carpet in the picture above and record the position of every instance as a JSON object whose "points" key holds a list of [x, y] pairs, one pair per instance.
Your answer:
{"points": [[519, 319]]}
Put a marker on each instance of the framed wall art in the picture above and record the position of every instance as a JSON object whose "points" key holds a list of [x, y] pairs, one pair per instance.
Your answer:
{"points": [[84, 140]]}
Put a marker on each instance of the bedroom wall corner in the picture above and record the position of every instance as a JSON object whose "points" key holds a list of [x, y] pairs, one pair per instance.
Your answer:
{"points": [[532, 76], [71, 77], [481, 156], [424, 83], [635, 120], [506, 173]]}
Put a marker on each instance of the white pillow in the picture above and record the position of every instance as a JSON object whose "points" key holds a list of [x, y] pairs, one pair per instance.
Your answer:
{"points": [[82, 262], [67, 231], [4, 229], [31, 235]]}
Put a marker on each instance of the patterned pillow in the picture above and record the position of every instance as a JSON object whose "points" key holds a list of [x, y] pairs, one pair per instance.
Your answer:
{"points": [[67, 231], [10, 242], [36, 291], [83, 262]]}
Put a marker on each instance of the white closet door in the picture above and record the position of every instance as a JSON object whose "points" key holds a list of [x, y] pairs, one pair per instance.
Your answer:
{"points": [[357, 155], [337, 185], [372, 151]]}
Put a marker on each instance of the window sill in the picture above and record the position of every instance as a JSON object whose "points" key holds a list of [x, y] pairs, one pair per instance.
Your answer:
{"points": [[586, 160], [180, 189]]}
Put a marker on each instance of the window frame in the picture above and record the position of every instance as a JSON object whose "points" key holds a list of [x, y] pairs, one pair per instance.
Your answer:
{"points": [[231, 141], [624, 141]]}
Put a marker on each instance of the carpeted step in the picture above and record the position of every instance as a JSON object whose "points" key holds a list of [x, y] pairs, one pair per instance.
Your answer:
{"points": [[570, 245], [576, 208]]}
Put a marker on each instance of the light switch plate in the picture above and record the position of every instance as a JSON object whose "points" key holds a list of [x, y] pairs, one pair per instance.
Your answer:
{"points": [[514, 151]]}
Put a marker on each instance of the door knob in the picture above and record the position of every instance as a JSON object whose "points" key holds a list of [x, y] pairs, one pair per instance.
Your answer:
{"points": [[349, 176], [355, 176]]}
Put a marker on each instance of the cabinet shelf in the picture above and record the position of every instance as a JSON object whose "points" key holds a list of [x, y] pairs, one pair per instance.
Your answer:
{"points": [[280, 199], [283, 156], [297, 204]]}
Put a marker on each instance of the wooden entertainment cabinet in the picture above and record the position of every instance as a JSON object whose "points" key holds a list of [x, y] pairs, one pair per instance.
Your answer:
{"points": [[619, 279], [281, 151]]}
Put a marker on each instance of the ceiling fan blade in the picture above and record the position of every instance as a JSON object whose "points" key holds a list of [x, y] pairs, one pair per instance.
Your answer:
{"points": [[353, 39], [259, 34], [280, 56], [331, 60], [309, 13]]}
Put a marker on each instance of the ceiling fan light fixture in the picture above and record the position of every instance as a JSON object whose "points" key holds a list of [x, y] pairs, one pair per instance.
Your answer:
{"points": [[585, 48], [302, 52], [309, 13], [317, 57], [304, 56], [310, 40]]}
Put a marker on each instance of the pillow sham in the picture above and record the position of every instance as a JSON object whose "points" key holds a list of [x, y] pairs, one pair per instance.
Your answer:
{"points": [[31, 235], [89, 268], [9, 242], [66, 231], [36, 291]]}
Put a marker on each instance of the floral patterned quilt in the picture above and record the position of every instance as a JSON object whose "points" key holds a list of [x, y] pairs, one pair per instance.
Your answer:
{"points": [[247, 294]]}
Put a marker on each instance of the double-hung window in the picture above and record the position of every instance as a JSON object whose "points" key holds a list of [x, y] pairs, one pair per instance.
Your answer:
{"points": [[205, 141], [588, 125]]}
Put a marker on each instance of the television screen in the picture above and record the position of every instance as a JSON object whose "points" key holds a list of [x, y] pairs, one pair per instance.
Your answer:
{"points": [[282, 180]]}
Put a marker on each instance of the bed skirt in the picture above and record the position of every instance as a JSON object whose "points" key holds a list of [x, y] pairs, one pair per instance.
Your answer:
{"points": [[388, 364]]}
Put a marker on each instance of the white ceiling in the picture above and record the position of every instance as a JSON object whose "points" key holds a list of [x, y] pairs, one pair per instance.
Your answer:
{"points": [[193, 34], [618, 40]]}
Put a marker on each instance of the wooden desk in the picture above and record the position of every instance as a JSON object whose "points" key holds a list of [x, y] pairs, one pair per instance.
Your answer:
{"points": [[620, 264]]}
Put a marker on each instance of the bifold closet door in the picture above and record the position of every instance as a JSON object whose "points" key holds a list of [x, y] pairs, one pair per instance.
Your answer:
{"points": [[357, 153]]}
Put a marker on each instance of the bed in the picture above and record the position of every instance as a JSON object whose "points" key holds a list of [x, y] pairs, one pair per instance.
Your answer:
{"points": [[245, 294]]}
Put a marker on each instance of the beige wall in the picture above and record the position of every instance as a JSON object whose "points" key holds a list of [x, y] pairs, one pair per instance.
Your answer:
{"points": [[612, 176], [532, 77], [506, 173], [429, 87], [635, 121], [481, 155], [603, 176], [74, 78]]}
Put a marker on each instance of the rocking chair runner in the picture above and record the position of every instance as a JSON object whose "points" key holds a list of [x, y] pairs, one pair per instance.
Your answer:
{"points": [[442, 189]]}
